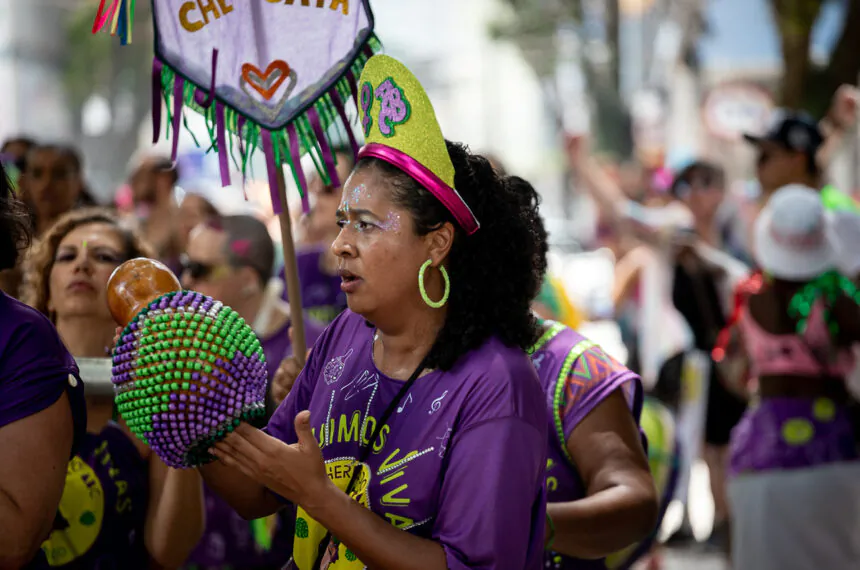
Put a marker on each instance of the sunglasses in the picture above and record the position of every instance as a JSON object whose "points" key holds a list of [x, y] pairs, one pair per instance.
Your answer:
{"points": [[197, 270]]}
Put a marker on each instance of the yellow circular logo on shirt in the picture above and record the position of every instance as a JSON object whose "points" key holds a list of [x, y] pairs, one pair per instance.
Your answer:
{"points": [[79, 517]]}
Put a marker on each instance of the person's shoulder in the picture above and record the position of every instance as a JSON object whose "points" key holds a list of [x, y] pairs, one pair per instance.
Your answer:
{"points": [[587, 363], [494, 358], [501, 382], [594, 365], [27, 336], [20, 319]]}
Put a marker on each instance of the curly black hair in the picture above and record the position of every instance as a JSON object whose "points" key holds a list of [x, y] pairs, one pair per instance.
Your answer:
{"points": [[15, 229], [496, 272]]}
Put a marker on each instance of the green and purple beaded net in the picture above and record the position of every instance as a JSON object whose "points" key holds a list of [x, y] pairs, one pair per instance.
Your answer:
{"points": [[187, 370]]}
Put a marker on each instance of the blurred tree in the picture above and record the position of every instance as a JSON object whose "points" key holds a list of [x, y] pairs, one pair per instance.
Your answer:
{"points": [[805, 85], [533, 29], [97, 66]]}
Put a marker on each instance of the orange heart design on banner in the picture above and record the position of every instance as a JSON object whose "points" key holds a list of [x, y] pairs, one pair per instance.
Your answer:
{"points": [[266, 83]]}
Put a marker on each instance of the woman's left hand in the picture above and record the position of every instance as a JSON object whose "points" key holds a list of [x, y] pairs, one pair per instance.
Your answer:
{"points": [[296, 472]]}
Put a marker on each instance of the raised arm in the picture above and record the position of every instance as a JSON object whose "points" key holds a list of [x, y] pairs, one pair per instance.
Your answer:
{"points": [[840, 118], [608, 195], [34, 453], [628, 271], [652, 224]]}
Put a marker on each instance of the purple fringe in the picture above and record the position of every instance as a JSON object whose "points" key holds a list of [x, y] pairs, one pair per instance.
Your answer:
{"points": [[206, 100], [178, 97], [353, 85], [221, 134], [341, 110], [157, 66], [269, 151]]}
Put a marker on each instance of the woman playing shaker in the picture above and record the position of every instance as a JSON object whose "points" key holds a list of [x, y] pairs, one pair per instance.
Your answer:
{"points": [[415, 436]]}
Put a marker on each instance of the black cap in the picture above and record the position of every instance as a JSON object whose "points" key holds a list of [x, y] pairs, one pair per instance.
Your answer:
{"points": [[794, 130]]}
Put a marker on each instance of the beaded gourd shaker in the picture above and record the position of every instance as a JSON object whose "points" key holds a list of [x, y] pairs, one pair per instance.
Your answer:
{"points": [[186, 369]]}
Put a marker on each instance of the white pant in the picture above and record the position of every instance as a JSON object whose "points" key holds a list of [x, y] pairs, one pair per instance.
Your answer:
{"points": [[803, 519]]}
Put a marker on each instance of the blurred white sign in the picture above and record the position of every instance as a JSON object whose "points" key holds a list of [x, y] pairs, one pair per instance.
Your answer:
{"points": [[734, 109]]}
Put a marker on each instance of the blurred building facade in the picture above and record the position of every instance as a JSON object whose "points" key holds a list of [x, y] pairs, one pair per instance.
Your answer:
{"points": [[32, 47]]}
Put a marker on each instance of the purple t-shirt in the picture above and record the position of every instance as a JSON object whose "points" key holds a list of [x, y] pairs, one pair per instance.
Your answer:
{"points": [[461, 460], [321, 294], [229, 540], [576, 376], [100, 520], [35, 367]]}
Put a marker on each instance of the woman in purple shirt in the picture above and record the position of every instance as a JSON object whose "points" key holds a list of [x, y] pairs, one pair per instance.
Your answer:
{"points": [[122, 507], [600, 491], [415, 436], [41, 406]]}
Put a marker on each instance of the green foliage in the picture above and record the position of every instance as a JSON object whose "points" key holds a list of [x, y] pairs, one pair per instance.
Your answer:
{"points": [[535, 18], [804, 84]]}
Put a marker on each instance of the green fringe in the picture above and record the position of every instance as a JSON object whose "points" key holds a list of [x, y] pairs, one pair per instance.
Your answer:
{"points": [[251, 132], [263, 535]]}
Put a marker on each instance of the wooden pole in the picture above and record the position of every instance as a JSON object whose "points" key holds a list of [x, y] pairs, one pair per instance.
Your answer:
{"points": [[291, 272]]}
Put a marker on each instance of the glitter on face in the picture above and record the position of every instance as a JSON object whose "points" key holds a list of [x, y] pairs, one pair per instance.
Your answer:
{"points": [[354, 196], [391, 223], [352, 201]]}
